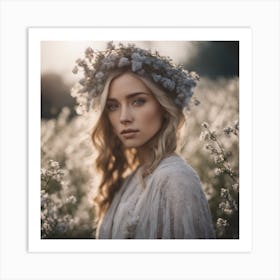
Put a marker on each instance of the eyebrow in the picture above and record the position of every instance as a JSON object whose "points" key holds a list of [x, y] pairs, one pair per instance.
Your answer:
{"points": [[131, 95]]}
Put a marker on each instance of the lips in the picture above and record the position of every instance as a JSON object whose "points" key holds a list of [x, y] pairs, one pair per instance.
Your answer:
{"points": [[129, 133]]}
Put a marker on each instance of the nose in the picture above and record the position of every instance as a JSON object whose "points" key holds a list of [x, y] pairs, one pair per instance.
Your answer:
{"points": [[126, 115]]}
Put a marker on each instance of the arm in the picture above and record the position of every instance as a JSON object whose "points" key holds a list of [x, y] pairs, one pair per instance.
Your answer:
{"points": [[183, 211]]}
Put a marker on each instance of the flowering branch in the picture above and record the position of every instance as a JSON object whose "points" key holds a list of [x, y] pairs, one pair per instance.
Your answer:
{"points": [[227, 200]]}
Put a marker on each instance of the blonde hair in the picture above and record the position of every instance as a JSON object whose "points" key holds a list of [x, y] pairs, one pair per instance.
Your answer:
{"points": [[114, 161]]}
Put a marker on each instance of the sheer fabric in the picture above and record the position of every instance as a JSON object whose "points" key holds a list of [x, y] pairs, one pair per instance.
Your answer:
{"points": [[172, 205]]}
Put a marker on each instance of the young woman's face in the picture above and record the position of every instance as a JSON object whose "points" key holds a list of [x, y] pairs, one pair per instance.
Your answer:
{"points": [[133, 111]]}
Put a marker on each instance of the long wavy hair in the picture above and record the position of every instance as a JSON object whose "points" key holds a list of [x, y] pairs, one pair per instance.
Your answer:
{"points": [[114, 161]]}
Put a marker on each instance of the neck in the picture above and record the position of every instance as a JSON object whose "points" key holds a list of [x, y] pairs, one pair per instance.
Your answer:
{"points": [[144, 155]]}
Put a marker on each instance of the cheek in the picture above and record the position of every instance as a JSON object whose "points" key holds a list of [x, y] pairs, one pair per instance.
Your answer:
{"points": [[152, 117]]}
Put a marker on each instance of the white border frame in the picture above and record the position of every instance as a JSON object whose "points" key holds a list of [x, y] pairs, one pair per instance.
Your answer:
{"points": [[243, 35], [262, 16]]}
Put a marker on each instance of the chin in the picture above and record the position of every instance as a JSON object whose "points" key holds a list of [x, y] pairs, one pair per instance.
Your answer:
{"points": [[130, 144]]}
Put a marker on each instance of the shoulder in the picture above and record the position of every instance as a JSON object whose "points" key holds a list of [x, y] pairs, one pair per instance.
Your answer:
{"points": [[174, 174], [175, 167]]}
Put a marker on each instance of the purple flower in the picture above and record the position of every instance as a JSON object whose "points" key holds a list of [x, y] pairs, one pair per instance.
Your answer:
{"points": [[168, 84], [156, 77], [123, 62], [136, 65], [99, 75]]}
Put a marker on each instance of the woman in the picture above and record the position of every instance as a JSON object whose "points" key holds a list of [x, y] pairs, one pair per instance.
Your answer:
{"points": [[147, 191]]}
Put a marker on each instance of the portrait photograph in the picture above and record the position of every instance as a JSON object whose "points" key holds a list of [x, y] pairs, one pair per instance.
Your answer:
{"points": [[139, 140], [209, 140]]}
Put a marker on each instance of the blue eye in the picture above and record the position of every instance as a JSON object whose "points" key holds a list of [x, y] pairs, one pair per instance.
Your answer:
{"points": [[138, 101], [112, 107]]}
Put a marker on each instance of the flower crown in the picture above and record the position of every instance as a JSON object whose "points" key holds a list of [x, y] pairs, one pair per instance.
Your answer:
{"points": [[176, 81]]}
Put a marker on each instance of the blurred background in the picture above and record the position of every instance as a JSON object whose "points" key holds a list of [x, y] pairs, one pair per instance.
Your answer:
{"points": [[212, 60], [210, 141]]}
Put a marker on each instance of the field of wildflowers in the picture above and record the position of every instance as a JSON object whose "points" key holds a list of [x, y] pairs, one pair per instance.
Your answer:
{"points": [[210, 144]]}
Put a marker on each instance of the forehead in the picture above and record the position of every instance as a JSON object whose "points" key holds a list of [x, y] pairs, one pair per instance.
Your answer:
{"points": [[126, 84]]}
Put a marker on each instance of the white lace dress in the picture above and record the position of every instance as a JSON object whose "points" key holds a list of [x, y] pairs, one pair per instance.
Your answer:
{"points": [[172, 205]]}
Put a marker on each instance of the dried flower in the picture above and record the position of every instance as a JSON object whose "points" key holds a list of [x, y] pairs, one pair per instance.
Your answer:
{"points": [[173, 79], [124, 61], [196, 102], [228, 130], [204, 136], [205, 125], [224, 193], [218, 171], [235, 187], [71, 200]]}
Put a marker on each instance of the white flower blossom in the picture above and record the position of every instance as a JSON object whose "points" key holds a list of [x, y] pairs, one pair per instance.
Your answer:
{"points": [[205, 125]]}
